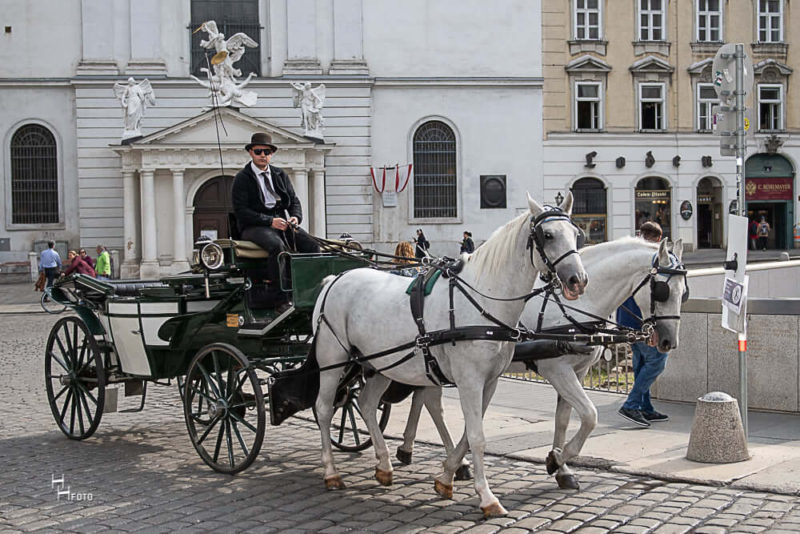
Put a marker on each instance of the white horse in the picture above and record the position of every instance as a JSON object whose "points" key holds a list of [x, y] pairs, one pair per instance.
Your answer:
{"points": [[366, 312], [617, 268]]}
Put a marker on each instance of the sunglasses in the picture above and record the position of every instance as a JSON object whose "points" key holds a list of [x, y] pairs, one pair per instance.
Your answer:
{"points": [[259, 151]]}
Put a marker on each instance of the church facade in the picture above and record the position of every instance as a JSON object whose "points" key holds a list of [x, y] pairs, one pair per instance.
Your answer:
{"points": [[411, 83]]}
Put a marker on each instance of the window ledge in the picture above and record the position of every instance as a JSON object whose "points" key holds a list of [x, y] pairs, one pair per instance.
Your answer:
{"points": [[590, 130], [653, 131], [770, 50], [651, 47], [50, 226], [705, 47], [704, 131], [436, 220], [771, 132], [598, 46]]}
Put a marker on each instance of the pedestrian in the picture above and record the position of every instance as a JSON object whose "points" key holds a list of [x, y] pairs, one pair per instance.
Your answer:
{"points": [[753, 234], [103, 264], [467, 245], [648, 362], [78, 266], [85, 257], [404, 258], [423, 245], [268, 213], [50, 262], [763, 233]]}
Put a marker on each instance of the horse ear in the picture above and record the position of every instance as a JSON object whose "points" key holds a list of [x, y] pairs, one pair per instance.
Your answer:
{"points": [[534, 206], [566, 204], [677, 249], [663, 253]]}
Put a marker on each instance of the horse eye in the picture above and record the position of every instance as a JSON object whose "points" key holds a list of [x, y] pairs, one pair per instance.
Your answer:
{"points": [[548, 235]]}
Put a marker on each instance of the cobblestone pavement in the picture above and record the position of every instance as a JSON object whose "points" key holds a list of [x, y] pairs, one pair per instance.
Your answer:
{"points": [[142, 474]]}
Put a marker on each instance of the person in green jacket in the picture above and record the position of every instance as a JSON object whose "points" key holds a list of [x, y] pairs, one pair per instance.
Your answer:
{"points": [[103, 264]]}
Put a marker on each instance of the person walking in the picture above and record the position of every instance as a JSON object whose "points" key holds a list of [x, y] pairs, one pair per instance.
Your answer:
{"points": [[467, 245], [103, 264], [85, 257], [648, 362], [50, 262], [752, 231], [77, 265], [262, 196], [423, 245], [763, 233]]}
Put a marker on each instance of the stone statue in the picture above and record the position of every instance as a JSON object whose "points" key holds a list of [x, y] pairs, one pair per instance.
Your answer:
{"points": [[310, 101], [134, 98], [225, 89]]}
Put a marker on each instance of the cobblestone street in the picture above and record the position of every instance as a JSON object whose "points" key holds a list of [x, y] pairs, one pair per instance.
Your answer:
{"points": [[139, 472]]}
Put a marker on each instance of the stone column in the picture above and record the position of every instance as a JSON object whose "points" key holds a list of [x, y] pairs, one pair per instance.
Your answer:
{"points": [[97, 25], [317, 209], [145, 24], [301, 26], [149, 266], [179, 261], [348, 40], [129, 267], [300, 182]]}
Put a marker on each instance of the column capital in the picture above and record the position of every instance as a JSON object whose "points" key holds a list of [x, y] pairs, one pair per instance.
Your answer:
{"points": [[176, 170]]}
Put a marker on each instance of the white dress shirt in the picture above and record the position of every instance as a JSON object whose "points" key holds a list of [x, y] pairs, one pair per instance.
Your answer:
{"points": [[269, 199]]}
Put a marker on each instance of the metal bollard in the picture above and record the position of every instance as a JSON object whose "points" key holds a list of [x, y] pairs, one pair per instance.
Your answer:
{"points": [[717, 433]]}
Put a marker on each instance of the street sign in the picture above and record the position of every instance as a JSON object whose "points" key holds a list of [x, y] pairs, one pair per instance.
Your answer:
{"points": [[723, 70], [737, 251]]}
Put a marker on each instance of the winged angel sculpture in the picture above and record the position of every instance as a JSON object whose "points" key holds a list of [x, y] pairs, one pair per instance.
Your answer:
{"points": [[134, 98], [225, 89], [310, 101]]}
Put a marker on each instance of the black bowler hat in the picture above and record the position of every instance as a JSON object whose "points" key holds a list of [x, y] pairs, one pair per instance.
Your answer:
{"points": [[261, 138]]}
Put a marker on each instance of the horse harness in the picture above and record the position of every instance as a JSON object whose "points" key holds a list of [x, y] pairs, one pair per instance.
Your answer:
{"points": [[659, 289], [449, 268]]}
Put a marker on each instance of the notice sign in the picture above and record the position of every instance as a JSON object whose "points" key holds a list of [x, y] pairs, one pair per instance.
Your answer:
{"points": [[733, 294], [768, 188]]}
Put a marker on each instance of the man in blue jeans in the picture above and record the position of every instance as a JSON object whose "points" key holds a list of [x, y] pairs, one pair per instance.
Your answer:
{"points": [[648, 363]]}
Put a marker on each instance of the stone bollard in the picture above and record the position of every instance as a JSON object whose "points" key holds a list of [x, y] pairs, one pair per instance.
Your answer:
{"points": [[717, 432]]}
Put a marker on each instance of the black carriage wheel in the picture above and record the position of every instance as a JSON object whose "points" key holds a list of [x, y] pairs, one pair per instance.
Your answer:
{"points": [[224, 408], [348, 429], [75, 378]]}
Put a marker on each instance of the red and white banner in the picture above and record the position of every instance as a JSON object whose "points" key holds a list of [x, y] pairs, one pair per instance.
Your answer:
{"points": [[397, 170]]}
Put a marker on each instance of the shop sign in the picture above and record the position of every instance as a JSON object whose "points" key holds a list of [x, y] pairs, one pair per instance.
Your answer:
{"points": [[768, 188], [652, 194], [704, 199], [686, 210]]}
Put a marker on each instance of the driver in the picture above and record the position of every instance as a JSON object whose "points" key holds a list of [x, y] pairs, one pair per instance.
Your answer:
{"points": [[262, 197]]}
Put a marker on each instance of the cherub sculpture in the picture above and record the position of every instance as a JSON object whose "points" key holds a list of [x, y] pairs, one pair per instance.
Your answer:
{"points": [[134, 98], [310, 101], [225, 89]]}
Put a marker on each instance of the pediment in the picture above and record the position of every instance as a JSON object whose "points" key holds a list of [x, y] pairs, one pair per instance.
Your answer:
{"points": [[700, 66], [202, 129], [651, 64], [784, 70], [587, 63]]}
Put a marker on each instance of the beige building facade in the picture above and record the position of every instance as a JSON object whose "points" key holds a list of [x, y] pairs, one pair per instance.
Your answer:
{"points": [[628, 121]]}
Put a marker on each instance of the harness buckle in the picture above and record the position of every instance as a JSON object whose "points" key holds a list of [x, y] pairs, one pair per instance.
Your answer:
{"points": [[517, 334], [423, 342]]}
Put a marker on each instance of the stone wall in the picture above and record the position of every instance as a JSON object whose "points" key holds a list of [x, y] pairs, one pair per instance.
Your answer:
{"points": [[707, 358]]}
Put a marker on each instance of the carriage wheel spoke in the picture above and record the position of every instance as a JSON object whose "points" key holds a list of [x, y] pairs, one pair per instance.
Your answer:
{"points": [[239, 438], [86, 408], [239, 383], [229, 440], [75, 344], [86, 391], [210, 382], [64, 352], [78, 398], [221, 389], [208, 429], [242, 421], [72, 414], [58, 360], [64, 408], [219, 442], [65, 388], [201, 395], [69, 344], [353, 422]]}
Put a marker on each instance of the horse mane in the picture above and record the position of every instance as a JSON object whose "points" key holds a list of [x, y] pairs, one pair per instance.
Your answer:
{"points": [[498, 250]]}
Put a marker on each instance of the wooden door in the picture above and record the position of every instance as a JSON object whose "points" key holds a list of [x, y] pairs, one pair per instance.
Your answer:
{"points": [[212, 203]]}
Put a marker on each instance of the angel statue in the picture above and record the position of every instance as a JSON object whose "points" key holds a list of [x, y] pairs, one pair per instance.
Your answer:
{"points": [[134, 98], [310, 101]]}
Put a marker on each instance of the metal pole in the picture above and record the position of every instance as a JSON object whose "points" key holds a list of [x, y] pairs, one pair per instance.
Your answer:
{"points": [[741, 149]]}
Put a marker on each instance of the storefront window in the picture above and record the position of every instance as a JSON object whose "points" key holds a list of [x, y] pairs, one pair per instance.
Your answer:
{"points": [[654, 203], [589, 209]]}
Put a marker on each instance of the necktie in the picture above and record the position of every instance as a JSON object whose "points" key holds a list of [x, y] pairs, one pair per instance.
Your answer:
{"points": [[268, 185]]}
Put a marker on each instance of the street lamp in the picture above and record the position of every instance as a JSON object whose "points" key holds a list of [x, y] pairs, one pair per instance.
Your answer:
{"points": [[559, 198]]}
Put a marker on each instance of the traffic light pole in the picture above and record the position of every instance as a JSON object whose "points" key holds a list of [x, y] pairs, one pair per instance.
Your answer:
{"points": [[741, 149]]}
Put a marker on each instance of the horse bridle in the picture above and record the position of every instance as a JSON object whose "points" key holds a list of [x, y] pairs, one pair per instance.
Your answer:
{"points": [[536, 239], [659, 289]]}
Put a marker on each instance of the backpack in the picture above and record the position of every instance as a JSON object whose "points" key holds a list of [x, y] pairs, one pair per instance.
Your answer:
{"points": [[763, 229]]}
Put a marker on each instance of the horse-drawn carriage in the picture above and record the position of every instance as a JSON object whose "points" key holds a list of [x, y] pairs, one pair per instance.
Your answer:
{"points": [[203, 329]]}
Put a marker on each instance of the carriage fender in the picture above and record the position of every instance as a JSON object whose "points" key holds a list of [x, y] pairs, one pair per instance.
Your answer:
{"points": [[90, 320]]}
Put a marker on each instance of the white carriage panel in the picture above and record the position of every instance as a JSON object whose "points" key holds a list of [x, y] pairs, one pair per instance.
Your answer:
{"points": [[150, 325], [129, 344], [195, 306]]}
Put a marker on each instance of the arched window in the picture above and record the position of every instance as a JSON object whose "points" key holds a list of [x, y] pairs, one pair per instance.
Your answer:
{"points": [[654, 203], [589, 208], [231, 17], [435, 186], [34, 176]]}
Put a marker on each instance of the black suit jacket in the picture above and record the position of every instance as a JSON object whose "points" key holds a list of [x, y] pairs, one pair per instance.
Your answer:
{"points": [[248, 205]]}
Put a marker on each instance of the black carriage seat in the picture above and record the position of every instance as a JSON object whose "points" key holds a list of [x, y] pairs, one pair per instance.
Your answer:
{"points": [[132, 288], [243, 249]]}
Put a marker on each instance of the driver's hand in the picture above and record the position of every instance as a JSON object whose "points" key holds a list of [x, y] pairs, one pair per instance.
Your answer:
{"points": [[279, 224], [293, 221]]}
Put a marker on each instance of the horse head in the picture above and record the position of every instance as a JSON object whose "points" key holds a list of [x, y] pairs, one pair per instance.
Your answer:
{"points": [[668, 289], [553, 244]]}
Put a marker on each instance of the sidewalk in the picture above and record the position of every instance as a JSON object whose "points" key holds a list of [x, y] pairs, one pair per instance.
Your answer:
{"points": [[19, 298], [519, 423]]}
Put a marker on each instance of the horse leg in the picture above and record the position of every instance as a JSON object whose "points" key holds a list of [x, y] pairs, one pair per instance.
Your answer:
{"points": [[405, 450], [432, 397], [328, 383], [369, 399]]}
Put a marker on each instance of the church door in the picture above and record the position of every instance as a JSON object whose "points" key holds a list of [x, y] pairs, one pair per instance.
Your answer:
{"points": [[212, 203]]}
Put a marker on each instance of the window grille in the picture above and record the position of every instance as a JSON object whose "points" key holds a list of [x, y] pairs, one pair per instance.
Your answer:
{"points": [[587, 19], [651, 20], [231, 16], [709, 21], [34, 176], [770, 27], [435, 184]]}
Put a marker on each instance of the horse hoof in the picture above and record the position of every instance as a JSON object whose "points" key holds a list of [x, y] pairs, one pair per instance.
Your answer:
{"points": [[494, 510], [462, 473], [404, 457], [568, 482], [334, 483], [551, 463], [443, 489], [384, 477]]}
